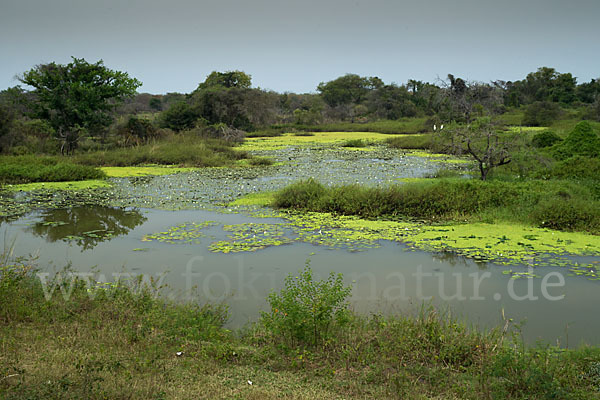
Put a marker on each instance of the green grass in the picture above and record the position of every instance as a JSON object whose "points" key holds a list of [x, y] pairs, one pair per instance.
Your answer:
{"points": [[178, 150], [125, 344], [28, 169], [561, 205], [413, 142]]}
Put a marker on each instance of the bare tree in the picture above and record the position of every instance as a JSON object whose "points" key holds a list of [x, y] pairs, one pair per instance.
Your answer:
{"points": [[489, 145]]}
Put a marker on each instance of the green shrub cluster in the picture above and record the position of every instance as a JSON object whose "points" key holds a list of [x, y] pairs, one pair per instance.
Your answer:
{"points": [[354, 143], [559, 205], [545, 139], [581, 141]]}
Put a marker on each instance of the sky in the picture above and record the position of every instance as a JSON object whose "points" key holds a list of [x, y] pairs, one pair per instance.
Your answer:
{"points": [[285, 45]]}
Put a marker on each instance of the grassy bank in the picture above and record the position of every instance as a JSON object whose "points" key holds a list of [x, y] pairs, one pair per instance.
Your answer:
{"points": [[124, 343], [561, 205], [27, 169], [177, 150]]}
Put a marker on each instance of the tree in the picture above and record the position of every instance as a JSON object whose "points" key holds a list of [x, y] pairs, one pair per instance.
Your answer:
{"points": [[180, 116], [348, 89], [228, 79], [77, 97], [483, 141]]}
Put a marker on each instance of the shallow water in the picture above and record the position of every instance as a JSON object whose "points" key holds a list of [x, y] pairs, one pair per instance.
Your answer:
{"points": [[391, 278], [116, 234]]}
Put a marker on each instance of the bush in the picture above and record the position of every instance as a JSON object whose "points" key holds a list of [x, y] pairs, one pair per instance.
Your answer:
{"points": [[582, 140], [180, 116], [260, 161], [567, 214], [541, 113], [545, 139], [305, 311]]}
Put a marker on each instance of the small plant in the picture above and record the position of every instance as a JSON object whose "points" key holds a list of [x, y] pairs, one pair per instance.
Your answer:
{"points": [[354, 143], [260, 161], [305, 311]]}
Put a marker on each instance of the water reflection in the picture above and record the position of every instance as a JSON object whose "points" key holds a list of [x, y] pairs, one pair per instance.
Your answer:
{"points": [[86, 226]]}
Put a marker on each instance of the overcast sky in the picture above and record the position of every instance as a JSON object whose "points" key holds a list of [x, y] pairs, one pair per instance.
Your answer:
{"points": [[293, 45]]}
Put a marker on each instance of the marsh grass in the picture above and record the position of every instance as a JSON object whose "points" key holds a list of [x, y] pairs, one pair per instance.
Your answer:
{"points": [[124, 343], [177, 150], [420, 142], [27, 169], [561, 205]]}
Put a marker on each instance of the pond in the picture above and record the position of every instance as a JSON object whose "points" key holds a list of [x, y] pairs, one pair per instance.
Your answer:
{"points": [[177, 231]]}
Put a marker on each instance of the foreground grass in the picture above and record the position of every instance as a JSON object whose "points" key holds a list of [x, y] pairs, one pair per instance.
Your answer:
{"points": [[561, 205], [124, 343]]}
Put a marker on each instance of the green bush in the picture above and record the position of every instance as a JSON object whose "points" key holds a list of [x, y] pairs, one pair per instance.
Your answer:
{"points": [[541, 113], [305, 311], [260, 161], [567, 214], [545, 139], [582, 140]]}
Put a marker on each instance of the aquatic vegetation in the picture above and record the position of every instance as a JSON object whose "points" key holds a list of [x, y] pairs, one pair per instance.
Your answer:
{"points": [[121, 172], [251, 237], [319, 138], [190, 232], [254, 199], [69, 185]]}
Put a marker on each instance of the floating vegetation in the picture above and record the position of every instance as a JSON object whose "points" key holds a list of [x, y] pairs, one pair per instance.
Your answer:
{"points": [[251, 237], [190, 232]]}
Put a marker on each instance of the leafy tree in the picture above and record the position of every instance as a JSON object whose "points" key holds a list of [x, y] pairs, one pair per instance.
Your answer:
{"points": [[77, 97], [391, 102], [348, 89], [180, 116], [155, 103], [228, 79], [588, 92]]}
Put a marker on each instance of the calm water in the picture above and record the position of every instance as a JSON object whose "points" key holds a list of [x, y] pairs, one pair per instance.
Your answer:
{"points": [[389, 279]]}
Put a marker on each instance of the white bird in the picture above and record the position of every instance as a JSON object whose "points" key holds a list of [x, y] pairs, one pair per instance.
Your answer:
{"points": [[249, 382], [434, 127], [442, 127]]}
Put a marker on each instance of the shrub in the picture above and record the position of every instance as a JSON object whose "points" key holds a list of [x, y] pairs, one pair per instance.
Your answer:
{"points": [[302, 195], [260, 161], [567, 214], [582, 140], [305, 311], [541, 113], [26, 169], [545, 139]]}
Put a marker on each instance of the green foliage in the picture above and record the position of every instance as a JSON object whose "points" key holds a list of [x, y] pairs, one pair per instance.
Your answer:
{"points": [[348, 89], [545, 139], [180, 116], [260, 161], [454, 199], [181, 150], [228, 79], [138, 131], [26, 169], [541, 113], [77, 96], [582, 140], [155, 103], [421, 142], [305, 311]]}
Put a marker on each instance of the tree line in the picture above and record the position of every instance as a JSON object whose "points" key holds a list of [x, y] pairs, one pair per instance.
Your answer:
{"points": [[64, 103]]}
